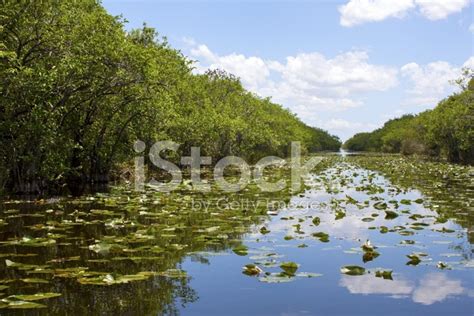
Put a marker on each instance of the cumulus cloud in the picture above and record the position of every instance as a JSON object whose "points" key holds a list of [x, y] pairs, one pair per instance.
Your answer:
{"points": [[440, 9], [361, 11], [431, 82], [253, 71], [311, 83], [345, 73], [305, 82]]}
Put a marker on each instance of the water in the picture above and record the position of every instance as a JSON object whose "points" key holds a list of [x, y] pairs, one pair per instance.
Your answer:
{"points": [[380, 202]]}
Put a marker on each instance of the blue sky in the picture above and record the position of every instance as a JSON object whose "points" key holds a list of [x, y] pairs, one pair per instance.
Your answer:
{"points": [[346, 66]]}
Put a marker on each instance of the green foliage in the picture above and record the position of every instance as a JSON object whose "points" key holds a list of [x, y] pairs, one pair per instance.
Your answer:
{"points": [[77, 90], [446, 131]]}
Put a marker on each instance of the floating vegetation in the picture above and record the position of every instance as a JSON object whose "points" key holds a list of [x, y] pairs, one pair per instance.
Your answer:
{"points": [[252, 270], [323, 237], [241, 250], [442, 265], [369, 252], [353, 270], [264, 230], [380, 205], [34, 297], [276, 278], [170, 273], [414, 259], [316, 221], [385, 274], [109, 279], [390, 214], [340, 214], [289, 267], [141, 242], [15, 304]]}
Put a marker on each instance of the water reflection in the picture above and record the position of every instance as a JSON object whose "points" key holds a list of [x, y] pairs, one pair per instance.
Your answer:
{"points": [[110, 236], [436, 287], [429, 289], [369, 284], [114, 253]]}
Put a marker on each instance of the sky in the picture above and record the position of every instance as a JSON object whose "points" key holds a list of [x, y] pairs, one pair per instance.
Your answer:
{"points": [[346, 66]]}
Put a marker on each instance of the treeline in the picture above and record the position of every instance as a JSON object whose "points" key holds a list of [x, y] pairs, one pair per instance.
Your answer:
{"points": [[77, 91], [447, 131]]}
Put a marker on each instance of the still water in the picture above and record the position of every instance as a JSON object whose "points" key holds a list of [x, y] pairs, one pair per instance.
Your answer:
{"points": [[367, 236]]}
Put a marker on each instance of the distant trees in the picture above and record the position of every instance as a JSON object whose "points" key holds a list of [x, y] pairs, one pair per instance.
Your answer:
{"points": [[446, 131], [76, 91]]}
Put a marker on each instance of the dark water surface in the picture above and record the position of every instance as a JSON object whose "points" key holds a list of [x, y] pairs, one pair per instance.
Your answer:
{"points": [[368, 236]]}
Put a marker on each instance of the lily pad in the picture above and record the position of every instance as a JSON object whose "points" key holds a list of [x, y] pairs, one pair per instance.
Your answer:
{"points": [[34, 297], [380, 205], [241, 250], [385, 274], [35, 280], [174, 273], [252, 270], [369, 256], [276, 278], [321, 236], [307, 275], [340, 214], [264, 230], [390, 214], [316, 221], [289, 267], [21, 305], [353, 270], [414, 259]]}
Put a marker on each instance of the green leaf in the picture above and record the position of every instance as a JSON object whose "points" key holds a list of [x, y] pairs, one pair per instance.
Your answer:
{"points": [[252, 270], [353, 270], [289, 267], [380, 205], [241, 250], [316, 221], [321, 236], [385, 274], [35, 297], [264, 230], [390, 215]]}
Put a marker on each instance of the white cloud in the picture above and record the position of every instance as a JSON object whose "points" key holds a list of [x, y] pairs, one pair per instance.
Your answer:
{"points": [[313, 85], [471, 28], [436, 287], [440, 9], [341, 125], [361, 11], [305, 82], [430, 83], [469, 63], [432, 287], [368, 284], [253, 71], [345, 73]]}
